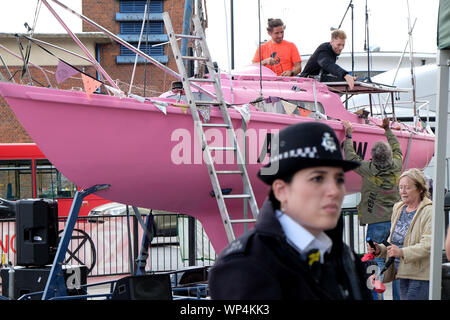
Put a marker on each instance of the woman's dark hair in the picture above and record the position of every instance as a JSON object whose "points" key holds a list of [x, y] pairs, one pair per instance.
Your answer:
{"points": [[275, 203]]}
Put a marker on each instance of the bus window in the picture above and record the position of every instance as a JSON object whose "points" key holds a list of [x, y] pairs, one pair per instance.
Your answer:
{"points": [[16, 180], [50, 183]]}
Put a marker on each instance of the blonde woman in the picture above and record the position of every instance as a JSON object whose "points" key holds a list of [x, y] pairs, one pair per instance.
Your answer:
{"points": [[410, 238]]}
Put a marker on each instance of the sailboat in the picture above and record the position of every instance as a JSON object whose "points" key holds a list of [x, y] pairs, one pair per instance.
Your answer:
{"points": [[147, 150]]}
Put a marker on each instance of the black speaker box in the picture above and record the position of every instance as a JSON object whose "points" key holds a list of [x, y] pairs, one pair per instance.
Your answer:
{"points": [[29, 280], [36, 231], [146, 287]]}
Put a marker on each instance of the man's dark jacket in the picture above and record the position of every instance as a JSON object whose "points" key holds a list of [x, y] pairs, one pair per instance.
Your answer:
{"points": [[262, 265], [323, 61]]}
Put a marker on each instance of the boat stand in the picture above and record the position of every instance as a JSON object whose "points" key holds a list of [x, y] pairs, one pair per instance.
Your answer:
{"points": [[55, 286], [147, 238]]}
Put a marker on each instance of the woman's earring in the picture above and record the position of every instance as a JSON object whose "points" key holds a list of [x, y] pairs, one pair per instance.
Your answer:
{"points": [[283, 208]]}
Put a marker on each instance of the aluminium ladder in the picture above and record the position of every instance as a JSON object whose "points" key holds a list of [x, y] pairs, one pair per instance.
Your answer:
{"points": [[199, 126]]}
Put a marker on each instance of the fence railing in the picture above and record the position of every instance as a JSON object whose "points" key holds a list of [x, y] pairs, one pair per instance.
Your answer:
{"points": [[354, 234], [110, 245]]}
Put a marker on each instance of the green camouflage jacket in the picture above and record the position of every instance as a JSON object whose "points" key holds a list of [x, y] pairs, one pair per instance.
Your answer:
{"points": [[379, 190]]}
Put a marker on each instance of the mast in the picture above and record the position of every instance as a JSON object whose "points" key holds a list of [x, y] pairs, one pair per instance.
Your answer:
{"points": [[367, 45], [411, 63], [350, 6], [232, 32]]}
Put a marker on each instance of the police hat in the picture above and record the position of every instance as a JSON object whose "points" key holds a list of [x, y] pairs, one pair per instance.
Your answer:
{"points": [[303, 145]]}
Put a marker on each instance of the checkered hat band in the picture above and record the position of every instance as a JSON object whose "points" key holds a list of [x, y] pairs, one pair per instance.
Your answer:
{"points": [[307, 152]]}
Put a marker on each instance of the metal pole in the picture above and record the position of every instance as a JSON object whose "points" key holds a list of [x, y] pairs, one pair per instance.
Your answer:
{"points": [[368, 45], [132, 48], [353, 47], [25, 62], [192, 232], [55, 285], [145, 243], [135, 251], [437, 230], [411, 62], [139, 46], [130, 250], [85, 50], [11, 282], [232, 32], [186, 25]]}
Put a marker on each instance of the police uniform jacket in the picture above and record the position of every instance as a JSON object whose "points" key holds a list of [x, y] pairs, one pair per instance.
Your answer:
{"points": [[261, 264]]}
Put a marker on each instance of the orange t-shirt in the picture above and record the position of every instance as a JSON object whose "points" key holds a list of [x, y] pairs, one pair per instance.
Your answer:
{"points": [[285, 52]]}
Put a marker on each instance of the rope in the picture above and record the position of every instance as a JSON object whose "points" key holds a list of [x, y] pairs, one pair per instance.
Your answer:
{"points": [[51, 53]]}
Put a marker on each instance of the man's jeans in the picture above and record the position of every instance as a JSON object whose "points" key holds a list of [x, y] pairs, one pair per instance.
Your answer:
{"points": [[414, 289], [378, 232]]}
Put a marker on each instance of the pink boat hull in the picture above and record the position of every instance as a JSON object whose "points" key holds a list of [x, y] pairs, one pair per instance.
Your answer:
{"points": [[153, 160]]}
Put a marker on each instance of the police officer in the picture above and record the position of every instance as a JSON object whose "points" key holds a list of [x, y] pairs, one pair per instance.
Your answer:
{"points": [[295, 250]]}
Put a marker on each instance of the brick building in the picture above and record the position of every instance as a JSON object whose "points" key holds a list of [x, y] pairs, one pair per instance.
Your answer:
{"points": [[121, 17]]}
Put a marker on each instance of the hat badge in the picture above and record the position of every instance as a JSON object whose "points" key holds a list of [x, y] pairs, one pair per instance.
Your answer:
{"points": [[328, 142]]}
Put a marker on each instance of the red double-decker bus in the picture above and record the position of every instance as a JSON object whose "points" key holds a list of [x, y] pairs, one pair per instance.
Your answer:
{"points": [[26, 173]]}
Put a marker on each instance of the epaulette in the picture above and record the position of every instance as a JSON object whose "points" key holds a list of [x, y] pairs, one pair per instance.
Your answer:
{"points": [[239, 245]]}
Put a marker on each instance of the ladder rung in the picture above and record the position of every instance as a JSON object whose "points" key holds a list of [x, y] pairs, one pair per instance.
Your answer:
{"points": [[215, 125], [201, 80], [207, 102], [229, 172], [236, 196], [243, 220], [194, 58], [216, 101], [188, 36], [222, 148]]}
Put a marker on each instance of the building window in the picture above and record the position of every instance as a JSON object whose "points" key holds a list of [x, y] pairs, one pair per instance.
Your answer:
{"points": [[138, 6], [16, 180], [130, 19], [148, 49], [134, 27]]}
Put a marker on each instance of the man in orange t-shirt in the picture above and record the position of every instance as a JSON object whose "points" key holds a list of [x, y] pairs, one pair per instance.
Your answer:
{"points": [[279, 55]]}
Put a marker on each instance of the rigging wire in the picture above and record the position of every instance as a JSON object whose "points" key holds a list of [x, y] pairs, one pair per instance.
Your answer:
{"points": [[259, 46], [139, 47], [25, 69], [36, 15], [228, 51], [411, 62], [146, 42]]}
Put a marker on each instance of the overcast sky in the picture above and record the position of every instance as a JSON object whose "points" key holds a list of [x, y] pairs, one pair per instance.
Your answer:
{"points": [[308, 23]]}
